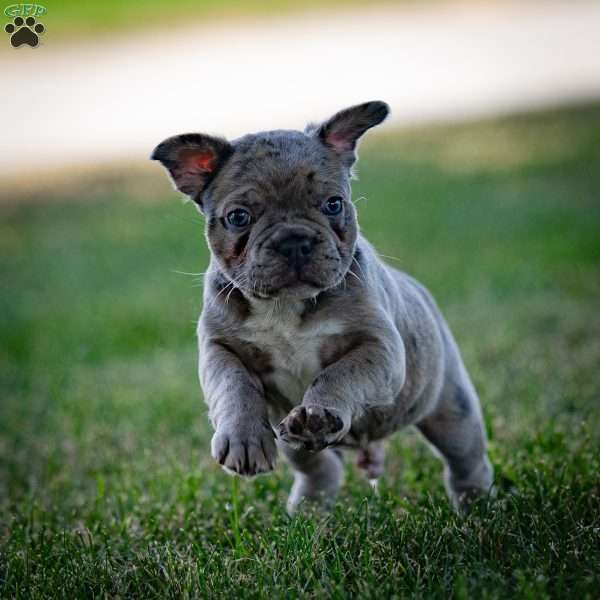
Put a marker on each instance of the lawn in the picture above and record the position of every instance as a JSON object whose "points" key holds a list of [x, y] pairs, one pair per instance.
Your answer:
{"points": [[74, 19], [106, 483]]}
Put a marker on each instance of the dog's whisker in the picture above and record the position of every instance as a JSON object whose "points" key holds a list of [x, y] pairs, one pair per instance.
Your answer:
{"points": [[184, 220], [271, 312], [233, 288], [190, 274], [351, 272], [221, 291], [233, 284], [359, 266], [388, 256], [237, 284]]}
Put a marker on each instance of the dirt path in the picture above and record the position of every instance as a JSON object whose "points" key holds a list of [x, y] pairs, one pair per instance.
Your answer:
{"points": [[65, 106]]}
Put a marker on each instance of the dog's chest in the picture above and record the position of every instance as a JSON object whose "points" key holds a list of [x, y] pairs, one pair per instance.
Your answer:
{"points": [[293, 347]]}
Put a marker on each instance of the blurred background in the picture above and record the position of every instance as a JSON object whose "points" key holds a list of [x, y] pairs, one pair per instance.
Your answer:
{"points": [[108, 80], [484, 184]]}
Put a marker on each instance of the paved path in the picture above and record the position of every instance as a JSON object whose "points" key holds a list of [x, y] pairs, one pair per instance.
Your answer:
{"points": [[64, 106]]}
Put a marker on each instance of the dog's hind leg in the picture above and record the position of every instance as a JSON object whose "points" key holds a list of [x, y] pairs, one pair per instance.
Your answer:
{"points": [[370, 460], [317, 476], [456, 430]]}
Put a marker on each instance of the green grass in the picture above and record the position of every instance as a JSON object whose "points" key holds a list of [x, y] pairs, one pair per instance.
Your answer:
{"points": [[69, 19], [106, 483]]}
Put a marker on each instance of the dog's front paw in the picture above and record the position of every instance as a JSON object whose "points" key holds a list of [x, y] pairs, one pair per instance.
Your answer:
{"points": [[312, 427], [243, 453]]}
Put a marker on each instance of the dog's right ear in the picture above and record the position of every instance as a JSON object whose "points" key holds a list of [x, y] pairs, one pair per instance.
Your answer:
{"points": [[193, 160]]}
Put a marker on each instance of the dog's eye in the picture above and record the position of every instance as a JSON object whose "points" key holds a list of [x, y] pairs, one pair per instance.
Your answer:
{"points": [[238, 217], [332, 206]]}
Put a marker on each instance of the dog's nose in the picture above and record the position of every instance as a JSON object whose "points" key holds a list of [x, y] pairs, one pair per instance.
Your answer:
{"points": [[296, 248]]}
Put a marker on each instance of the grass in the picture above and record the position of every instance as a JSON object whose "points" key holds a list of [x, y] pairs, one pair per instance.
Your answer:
{"points": [[106, 484], [73, 19]]}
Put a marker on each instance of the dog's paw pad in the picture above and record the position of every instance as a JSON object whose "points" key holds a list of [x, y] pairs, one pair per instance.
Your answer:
{"points": [[24, 31], [318, 420], [311, 427], [296, 420]]}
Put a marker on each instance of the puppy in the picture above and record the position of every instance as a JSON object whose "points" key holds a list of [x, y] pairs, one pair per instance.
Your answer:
{"points": [[308, 342]]}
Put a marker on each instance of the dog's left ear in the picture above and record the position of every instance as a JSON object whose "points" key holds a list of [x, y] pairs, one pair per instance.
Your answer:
{"points": [[193, 160], [342, 131]]}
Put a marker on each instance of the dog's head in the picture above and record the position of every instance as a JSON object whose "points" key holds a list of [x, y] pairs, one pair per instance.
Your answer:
{"points": [[280, 220]]}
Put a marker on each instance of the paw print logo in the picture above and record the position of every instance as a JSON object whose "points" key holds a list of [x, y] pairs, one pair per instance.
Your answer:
{"points": [[24, 31]]}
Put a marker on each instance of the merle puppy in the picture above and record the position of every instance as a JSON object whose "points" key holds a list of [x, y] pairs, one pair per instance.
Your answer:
{"points": [[308, 342]]}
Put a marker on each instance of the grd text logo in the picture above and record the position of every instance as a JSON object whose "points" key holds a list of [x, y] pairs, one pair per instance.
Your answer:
{"points": [[25, 28]]}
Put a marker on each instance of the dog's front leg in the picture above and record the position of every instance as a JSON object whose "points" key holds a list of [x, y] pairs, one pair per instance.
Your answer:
{"points": [[371, 374], [244, 442]]}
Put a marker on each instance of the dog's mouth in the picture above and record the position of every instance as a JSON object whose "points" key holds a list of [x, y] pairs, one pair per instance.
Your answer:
{"points": [[304, 279], [295, 283], [270, 277]]}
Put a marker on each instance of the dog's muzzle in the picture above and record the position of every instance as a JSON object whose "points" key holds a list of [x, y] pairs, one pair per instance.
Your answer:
{"points": [[295, 245]]}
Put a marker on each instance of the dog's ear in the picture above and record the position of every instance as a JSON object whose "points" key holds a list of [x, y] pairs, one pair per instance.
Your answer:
{"points": [[342, 131], [193, 160]]}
